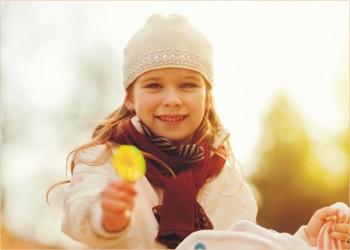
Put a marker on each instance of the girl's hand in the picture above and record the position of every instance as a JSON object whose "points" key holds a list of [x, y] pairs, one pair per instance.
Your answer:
{"points": [[340, 230], [117, 201]]}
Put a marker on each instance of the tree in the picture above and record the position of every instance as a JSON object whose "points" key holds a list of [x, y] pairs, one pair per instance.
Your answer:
{"points": [[291, 177]]}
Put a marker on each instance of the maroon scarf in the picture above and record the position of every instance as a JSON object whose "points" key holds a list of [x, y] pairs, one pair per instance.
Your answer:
{"points": [[180, 213]]}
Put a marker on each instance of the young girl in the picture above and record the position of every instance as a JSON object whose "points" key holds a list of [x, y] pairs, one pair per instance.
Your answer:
{"points": [[191, 182]]}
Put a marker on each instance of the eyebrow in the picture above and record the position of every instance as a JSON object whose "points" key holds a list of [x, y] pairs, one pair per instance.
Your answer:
{"points": [[151, 79], [193, 77], [186, 77]]}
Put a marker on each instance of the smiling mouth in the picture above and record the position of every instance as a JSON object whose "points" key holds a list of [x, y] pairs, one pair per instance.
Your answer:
{"points": [[171, 119]]}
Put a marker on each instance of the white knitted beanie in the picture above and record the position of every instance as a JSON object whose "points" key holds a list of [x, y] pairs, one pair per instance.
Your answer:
{"points": [[166, 42]]}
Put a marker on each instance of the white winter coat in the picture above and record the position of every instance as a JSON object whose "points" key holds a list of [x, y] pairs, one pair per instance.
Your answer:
{"points": [[225, 198]]}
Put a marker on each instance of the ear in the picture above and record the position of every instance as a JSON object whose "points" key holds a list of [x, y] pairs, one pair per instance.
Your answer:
{"points": [[129, 103]]}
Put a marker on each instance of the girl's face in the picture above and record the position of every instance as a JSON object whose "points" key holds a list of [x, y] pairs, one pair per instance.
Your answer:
{"points": [[170, 102]]}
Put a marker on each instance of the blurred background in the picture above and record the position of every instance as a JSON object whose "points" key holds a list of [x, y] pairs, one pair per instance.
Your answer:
{"points": [[281, 88]]}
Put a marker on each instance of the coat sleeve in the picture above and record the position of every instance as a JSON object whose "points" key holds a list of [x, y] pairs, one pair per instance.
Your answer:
{"points": [[82, 209]]}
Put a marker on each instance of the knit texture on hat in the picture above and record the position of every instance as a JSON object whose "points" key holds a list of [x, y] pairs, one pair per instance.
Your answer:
{"points": [[167, 42]]}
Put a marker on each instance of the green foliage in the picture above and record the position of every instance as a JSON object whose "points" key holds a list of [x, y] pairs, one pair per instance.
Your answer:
{"points": [[294, 175]]}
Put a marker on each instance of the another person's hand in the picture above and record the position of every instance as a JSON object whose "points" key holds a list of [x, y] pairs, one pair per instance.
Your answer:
{"points": [[117, 202], [340, 229]]}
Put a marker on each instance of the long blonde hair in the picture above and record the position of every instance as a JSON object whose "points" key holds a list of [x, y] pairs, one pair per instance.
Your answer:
{"points": [[107, 130]]}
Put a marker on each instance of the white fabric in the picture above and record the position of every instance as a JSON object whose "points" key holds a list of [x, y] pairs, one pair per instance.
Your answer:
{"points": [[244, 234]]}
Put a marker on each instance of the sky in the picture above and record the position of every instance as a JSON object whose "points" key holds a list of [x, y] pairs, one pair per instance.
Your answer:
{"points": [[261, 48]]}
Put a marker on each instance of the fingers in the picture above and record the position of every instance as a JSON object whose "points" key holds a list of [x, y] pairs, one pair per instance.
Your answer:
{"points": [[341, 232], [118, 197], [340, 236], [116, 206], [119, 189], [341, 228], [117, 202], [318, 219], [324, 213], [123, 185]]}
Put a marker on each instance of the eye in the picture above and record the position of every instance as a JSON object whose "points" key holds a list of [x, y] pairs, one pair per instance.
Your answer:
{"points": [[153, 86], [188, 85]]}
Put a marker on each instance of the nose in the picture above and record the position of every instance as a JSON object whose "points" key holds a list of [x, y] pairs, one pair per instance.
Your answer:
{"points": [[172, 98]]}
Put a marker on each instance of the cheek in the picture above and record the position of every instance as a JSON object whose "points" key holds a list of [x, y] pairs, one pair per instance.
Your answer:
{"points": [[144, 102], [197, 106], [199, 102]]}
